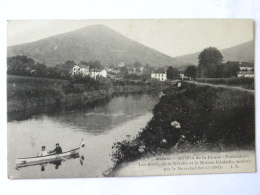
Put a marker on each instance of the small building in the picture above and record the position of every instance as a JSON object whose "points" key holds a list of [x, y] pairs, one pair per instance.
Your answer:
{"points": [[182, 75], [246, 69], [131, 70], [80, 69], [159, 75], [121, 64], [98, 73], [115, 70]]}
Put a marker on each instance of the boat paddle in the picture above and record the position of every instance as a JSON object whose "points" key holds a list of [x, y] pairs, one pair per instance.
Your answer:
{"points": [[61, 157]]}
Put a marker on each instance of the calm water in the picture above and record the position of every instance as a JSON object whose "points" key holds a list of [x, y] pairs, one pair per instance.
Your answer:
{"points": [[99, 126]]}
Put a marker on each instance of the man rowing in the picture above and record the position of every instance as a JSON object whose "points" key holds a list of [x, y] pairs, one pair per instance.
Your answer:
{"points": [[43, 152], [57, 150]]}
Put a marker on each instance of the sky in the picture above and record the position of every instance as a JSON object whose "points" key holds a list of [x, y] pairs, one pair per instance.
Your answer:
{"points": [[173, 37]]}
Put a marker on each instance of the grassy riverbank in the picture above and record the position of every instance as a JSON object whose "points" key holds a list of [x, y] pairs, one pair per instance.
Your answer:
{"points": [[192, 118], [29, 95]]}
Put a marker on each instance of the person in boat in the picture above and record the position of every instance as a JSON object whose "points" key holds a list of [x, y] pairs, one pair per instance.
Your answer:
{"points": [[57, 150], [43, 152]]}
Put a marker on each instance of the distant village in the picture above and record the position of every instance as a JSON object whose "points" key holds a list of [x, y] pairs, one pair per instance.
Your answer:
{"points": [[24, 66], [246, 69]]}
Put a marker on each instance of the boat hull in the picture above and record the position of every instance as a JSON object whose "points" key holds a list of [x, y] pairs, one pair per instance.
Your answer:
{"points": [[29, 161]]}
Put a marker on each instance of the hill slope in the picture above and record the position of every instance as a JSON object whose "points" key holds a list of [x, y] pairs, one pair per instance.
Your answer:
{"points": [[91, 43], [243, 52]]}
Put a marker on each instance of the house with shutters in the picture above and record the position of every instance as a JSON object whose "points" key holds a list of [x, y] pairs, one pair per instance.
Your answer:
{"points": [[246, 69], [80, 69], [159, 75], [85, 71], [95, 73]]}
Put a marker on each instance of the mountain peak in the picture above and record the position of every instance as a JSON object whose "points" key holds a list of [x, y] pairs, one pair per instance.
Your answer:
{"points": [[99, 27], [95, 42]]}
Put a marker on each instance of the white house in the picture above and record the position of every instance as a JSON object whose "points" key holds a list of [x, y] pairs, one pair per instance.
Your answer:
{"points": [[160, 75], [80, 69], [246, 69], [121, 64], [98, 73]]}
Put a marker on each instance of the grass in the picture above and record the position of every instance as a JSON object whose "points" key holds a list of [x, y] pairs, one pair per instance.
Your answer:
{"points": [[210, 119], [27, 96], [20, 86]]}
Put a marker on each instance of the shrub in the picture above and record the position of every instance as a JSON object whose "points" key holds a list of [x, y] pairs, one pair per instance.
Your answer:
{"points": [[206, 114]]}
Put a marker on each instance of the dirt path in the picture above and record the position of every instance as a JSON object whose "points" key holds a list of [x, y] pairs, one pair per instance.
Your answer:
{"points": [[222, 86]]}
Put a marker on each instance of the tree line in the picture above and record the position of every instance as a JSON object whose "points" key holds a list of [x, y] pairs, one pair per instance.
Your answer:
{"points": [[25, 66], [210, 66]]}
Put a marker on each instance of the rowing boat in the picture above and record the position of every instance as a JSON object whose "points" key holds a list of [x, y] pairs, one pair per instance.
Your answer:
{"points": [[36, 160]]}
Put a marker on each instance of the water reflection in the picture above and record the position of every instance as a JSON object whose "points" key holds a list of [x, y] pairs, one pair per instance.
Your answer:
{"points": [[100, 125], [97, 119]]}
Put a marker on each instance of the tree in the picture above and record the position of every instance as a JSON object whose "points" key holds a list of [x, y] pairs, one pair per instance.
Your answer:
{"points": [[20, 65], [147, 67], [209, 59], [137, 65], [95, 65], [191, 71], [172, 73], [111, 66], [83, 62], [69, 64], [54, 72], [41, 70], [231, 70]]}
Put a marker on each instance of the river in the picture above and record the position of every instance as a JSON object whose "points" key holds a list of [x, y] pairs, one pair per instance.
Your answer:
{"points": [[100, 125]]}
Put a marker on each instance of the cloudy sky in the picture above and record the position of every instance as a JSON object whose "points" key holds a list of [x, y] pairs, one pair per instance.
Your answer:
{"points": [[171, 37]]}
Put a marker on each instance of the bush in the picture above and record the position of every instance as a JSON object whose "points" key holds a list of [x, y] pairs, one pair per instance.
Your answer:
{"points": [[215, 116]]}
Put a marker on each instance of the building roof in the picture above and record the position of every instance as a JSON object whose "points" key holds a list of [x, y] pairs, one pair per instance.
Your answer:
{"points": [[83, 66], [97, 70], [240, 64], [159, 72]]}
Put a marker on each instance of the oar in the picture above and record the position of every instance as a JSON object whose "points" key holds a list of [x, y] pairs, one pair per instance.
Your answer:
{"points": [[61, 157], [81, 158]]}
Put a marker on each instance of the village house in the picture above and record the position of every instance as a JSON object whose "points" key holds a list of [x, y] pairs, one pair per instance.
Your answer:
{"points": [[115, 70], [80, 69], [182, 76], [131, 70], [246, 69], [159, 75], [84, 71], [95, 73], [121, 64]]}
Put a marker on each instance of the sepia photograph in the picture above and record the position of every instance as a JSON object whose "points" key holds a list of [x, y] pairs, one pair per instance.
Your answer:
{"points": [[130, 97]]}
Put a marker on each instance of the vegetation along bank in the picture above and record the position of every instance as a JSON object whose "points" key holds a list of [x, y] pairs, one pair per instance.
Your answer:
{"points": [[30, 95], [192, 118]]}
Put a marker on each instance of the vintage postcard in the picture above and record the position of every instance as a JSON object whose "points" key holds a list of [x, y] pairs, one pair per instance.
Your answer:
{"points": [[113, 98]]}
